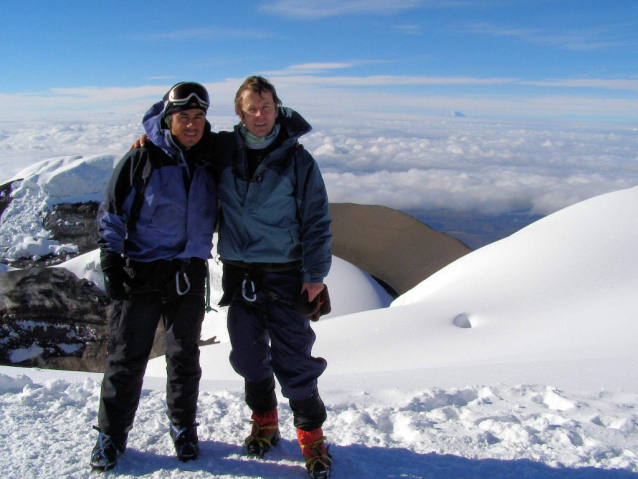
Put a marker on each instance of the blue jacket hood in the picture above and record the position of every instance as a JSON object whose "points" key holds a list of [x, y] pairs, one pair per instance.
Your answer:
{"points": [[160, 136]]}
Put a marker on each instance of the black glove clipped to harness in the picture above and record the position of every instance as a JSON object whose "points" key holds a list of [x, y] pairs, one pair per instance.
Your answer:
{"points": [[317, 308], [114, 275]]}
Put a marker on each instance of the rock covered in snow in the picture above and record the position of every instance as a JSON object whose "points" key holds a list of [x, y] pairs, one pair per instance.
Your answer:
{"points": [[48, 210], [49, 317], [27, 246]]}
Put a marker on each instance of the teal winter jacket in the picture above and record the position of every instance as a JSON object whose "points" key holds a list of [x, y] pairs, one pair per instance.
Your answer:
{"points": [[280, 214]]}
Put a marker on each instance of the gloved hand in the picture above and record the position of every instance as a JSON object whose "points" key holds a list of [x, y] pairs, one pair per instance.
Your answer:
{"points": [[114, 275], [316, 308]]}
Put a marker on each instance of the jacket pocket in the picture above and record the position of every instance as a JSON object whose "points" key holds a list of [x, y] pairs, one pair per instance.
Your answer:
{"points": [[295, 249]]}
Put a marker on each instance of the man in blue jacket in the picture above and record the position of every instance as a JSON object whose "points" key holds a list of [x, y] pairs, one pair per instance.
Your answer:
{"points": [[274, 241], [156, 225]]}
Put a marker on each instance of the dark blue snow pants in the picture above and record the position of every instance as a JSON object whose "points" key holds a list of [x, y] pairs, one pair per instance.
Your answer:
{"points": [[132, 328], [269, 337]]}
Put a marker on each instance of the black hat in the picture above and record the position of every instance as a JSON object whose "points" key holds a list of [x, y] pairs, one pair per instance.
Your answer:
{"points": [[185, 96]]}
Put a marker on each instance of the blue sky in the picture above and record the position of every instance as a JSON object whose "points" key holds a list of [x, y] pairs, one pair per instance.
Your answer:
{"points": [[554, 59]]}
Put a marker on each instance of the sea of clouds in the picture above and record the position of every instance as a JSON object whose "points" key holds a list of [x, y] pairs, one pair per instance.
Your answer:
{"points": [[424, 164]]}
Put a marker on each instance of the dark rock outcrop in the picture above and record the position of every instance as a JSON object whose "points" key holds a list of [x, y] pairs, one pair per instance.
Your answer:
{"points": [[69, 224], [5, 196], [74, 223], [50, 318]]}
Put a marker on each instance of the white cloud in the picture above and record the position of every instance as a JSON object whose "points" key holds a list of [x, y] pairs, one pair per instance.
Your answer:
{"points": [[409, 29], [317, 9], [305, 74], [309, 68], [168, 77], [206, 34], [394, 80], [598, 38], [618, 84], [92, 102], [366, 97], [409, 97], [416, 164]]}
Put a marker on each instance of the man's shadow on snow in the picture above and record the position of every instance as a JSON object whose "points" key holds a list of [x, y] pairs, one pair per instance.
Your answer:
{"points": [[353, 462]]}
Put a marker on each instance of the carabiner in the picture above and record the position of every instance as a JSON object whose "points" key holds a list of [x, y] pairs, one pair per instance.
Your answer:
{"points": [[188, 284], [252, 288]]}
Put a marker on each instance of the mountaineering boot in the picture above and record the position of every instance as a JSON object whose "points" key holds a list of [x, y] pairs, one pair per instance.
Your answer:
{"points": [[107, 449], [185, 441], [313, 447], [264, 434]]}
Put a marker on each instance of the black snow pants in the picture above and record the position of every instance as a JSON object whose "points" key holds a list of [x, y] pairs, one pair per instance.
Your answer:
{"points": [[131, 333]]}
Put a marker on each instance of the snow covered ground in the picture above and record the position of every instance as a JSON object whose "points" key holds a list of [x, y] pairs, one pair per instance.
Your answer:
{"points": [[518, 360]]}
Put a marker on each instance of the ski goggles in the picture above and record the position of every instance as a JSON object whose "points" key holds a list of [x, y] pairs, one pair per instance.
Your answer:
{"points": [[185, 94]]}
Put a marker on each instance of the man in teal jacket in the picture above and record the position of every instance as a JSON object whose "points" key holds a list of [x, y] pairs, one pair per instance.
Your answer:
{"points": [[274, 241]]}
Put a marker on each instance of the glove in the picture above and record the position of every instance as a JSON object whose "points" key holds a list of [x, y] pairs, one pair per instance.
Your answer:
{"points": [[317, 308], [114, 275]]}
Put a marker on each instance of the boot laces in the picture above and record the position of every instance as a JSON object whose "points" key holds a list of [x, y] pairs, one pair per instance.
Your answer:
{"points": [[318, 455], [185, 448], [104, 441], [255, 434], [181, 432]]}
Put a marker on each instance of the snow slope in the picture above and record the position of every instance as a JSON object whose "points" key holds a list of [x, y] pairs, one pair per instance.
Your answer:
{"points": [[514, 361]]}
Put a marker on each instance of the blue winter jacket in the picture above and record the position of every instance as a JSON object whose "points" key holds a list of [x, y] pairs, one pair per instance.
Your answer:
{"points": [[280, 215], [155, 206]]}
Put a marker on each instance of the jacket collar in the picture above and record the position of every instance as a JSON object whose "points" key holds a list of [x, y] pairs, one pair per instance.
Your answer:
{"points": [[292, 122]]}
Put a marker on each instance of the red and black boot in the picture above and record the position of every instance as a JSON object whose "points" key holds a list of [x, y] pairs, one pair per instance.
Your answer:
{"points": [[313, 447], [264, 435]]}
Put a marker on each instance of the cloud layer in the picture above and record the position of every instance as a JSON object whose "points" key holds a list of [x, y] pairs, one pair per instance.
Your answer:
{"points": [[465, 165], [455, 164]]}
